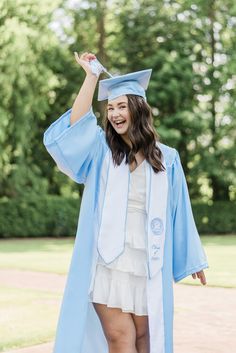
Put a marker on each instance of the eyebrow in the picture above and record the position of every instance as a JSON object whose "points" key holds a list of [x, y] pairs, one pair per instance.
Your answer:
{"points": [[109, 104]]}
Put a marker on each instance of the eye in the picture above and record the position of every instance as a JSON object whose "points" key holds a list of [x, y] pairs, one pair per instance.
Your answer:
{"points": [[123, 106], [110, 108]]}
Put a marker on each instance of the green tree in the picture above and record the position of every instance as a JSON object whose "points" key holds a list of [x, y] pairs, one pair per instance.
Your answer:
{"points": [[27, 85], [191, 48]]}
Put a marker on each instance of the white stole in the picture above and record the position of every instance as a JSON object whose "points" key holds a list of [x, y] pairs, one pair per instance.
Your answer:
{"points": [[156, 206], [112, 228]]}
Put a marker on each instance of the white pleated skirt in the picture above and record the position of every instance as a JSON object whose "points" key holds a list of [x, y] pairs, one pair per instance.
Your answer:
{"points": [[122, 283]]}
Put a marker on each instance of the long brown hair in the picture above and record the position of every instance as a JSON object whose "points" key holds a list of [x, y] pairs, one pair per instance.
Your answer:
{"points": [[141, 133]]}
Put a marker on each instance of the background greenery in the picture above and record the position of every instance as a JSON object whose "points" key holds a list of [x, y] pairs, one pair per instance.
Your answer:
{"points": [[57, 216], [191, 47]]}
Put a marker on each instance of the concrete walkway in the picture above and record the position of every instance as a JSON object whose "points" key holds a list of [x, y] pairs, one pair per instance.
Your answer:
{"points": [[204, 321], [41, 348]]}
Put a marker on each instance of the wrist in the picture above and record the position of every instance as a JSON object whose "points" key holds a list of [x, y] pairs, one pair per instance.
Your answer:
{"points": [[91, 76]]}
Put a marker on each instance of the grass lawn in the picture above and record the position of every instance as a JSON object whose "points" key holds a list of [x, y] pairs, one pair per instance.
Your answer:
{"points": [[221, 254], [43, 254], [53, 255], [29, 316]]}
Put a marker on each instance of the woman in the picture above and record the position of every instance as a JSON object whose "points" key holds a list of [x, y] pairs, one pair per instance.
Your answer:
{"points": [[136, 232]]}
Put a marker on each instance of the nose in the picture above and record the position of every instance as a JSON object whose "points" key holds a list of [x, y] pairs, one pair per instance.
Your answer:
{"points": [[115, 113]]}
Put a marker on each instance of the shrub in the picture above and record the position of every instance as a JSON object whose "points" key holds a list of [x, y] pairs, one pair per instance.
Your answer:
{"points": [[57, 216], [216, 218], [38, 216]]}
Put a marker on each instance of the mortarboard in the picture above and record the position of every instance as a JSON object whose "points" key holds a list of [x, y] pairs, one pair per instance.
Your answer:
{"points": [[133, 83]]}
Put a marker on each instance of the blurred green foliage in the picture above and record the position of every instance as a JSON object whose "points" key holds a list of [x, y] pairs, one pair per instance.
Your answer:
{"points": [[34, 216], [56, 216], [191, 47]]}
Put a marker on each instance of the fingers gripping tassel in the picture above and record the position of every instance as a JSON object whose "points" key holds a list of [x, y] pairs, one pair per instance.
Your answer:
{"points": [[97, 68]]}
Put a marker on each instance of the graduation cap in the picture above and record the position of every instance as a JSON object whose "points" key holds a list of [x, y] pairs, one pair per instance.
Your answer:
{"points": [[133, 83]]}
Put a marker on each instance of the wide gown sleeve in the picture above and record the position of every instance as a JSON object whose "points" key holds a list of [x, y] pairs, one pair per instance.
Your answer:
{"points": [[74, 147], [188, 254]]}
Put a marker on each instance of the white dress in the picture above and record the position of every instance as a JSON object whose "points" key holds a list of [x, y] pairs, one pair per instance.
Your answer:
{"points": [[122, 283]]}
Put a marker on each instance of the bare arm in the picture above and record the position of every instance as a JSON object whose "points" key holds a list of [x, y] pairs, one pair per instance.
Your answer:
{"points": [[84, 99]]}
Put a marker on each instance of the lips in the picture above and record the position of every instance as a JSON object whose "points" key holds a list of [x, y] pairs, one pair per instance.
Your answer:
{"points": [[119, 124]]}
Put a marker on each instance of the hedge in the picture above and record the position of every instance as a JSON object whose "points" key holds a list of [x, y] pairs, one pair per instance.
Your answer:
{"points": [[39, 216], [218, 218], [56, 216]]}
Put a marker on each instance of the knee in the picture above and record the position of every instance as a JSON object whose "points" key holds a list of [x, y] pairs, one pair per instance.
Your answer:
{"points": [[120, 336], [142, 335]]}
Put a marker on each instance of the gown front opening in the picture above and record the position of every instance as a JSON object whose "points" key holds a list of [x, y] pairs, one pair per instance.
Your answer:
{"points": [[122, 283]]}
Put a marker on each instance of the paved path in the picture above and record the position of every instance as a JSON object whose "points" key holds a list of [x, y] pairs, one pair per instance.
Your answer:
{"points": [[32, 280], [205, 317], [41, 348]]}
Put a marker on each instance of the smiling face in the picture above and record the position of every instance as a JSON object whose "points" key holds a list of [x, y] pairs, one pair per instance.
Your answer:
{"points": [[118, 114]]}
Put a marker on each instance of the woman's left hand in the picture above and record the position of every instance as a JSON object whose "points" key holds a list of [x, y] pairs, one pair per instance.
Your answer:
{"points": [[201, 276]]}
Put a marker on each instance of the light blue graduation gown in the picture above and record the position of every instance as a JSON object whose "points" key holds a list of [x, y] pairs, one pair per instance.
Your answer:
{"points": [[174, 247]]}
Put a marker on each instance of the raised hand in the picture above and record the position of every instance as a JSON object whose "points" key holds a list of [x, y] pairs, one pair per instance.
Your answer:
{"points": [[84, 99], [83, 60]]}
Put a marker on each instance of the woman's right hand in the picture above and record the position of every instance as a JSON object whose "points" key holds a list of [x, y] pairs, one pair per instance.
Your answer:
{"points": [[83, 60]]}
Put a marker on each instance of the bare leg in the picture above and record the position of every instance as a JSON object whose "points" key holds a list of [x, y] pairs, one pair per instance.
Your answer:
{"points": [[118, 327], [142, 333]]}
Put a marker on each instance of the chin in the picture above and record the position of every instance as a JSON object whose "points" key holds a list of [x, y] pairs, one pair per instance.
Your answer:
{"points": [[121, 132]]}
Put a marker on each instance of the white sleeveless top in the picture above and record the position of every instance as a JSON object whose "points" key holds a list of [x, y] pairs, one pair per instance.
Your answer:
{"points": [[122, 283], [137, 189]]}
